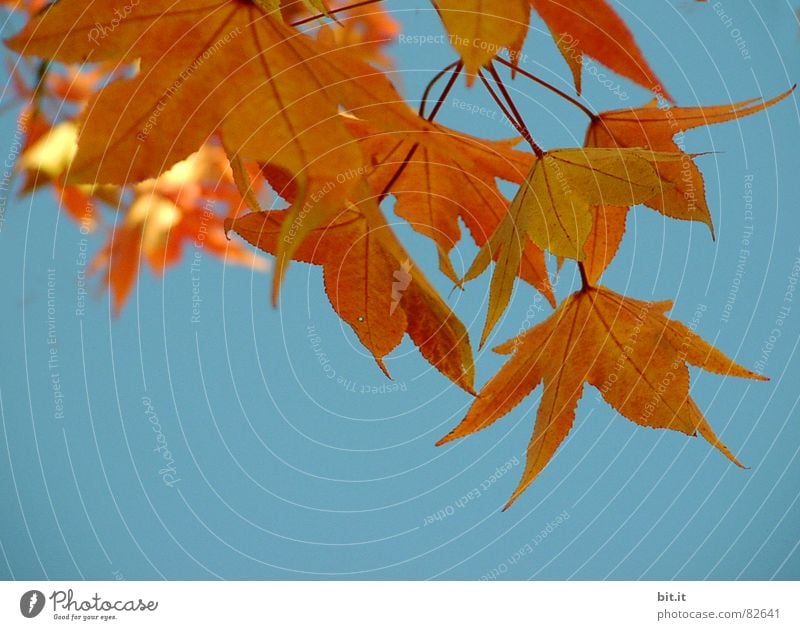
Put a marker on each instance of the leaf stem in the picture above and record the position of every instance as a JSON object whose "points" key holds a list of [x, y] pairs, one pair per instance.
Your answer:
{"points": [[443, 96], [390, 184], [42, 70], [242, 180], [550, 87], [512, 105], [456, 68], [318, 16], [424, 102], [513, 117], [584, 277]]}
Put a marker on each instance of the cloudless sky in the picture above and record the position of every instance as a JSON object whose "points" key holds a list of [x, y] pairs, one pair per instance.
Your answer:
{"points": [[280, 472]]}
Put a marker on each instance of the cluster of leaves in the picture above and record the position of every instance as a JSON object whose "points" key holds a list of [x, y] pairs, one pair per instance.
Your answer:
{"points": [[196, 105]]}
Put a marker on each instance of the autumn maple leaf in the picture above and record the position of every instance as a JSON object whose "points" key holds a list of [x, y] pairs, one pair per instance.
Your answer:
{"points": [[439, 176], [635, 356], [659, 128], [594, 29], [204, 66], [190, 105], [362, 261], [364, 30], [48, 149], [227, 66], [45, 158], [553, 208], [480, 30], [165, 214]]}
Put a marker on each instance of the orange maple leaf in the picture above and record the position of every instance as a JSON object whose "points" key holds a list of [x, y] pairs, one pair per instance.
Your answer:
{"points": [[480, 30], [364, 30], [683, 194], [635, 356], [167, 213], [553, 208], [374, 286], [231, 66], [203, 66], [439, 176], [594, 29]]}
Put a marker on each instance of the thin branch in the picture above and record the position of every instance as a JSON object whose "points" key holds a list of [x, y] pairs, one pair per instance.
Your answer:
{"points": [[450, 83], [549, 86], [500, 104], [499, 83], [456, 67], [424, 102], [512, 117]]}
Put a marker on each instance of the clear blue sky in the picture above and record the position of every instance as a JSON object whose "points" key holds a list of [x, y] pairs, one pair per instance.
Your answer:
{"points": [[279, 472]]}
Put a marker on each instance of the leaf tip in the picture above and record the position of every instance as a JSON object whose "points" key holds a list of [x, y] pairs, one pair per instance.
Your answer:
{"points": [[512, 499], [470, 77], [444, 440], [228, 227], [15, 42], [382, 366], [487, 331], [550, 296], [470, 389]]}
